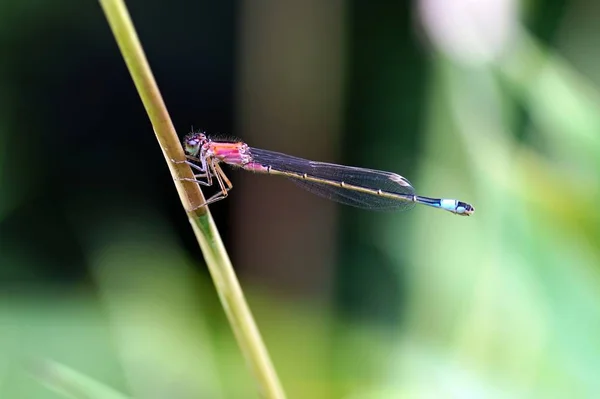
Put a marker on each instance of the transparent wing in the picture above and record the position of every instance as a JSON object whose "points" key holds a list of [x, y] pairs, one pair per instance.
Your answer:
{"points": [[354, 198], [350, 176]]}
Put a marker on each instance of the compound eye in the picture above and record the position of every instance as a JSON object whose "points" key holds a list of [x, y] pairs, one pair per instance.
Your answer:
{"points": [[191, 146]]}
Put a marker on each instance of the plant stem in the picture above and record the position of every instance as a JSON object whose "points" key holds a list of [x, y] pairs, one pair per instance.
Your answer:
{"points": [[215, 255]]}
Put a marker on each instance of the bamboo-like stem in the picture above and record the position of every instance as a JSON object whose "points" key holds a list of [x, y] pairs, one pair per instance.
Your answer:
{"points": [[217, 259]]}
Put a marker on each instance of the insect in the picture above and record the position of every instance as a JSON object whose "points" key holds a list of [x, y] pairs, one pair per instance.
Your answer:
{"points": [[359, 187]]}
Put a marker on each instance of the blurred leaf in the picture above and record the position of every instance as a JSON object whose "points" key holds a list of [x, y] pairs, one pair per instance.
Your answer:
{"points": [[70, 383], [490, 294], [39, 323], [151, 295], [563, 104]]}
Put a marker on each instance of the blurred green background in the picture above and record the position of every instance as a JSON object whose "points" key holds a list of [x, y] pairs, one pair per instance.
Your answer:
{"points": [[104, 293]]}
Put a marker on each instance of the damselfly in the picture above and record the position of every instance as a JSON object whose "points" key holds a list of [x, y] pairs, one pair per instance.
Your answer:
{"points": [[359, 187]]}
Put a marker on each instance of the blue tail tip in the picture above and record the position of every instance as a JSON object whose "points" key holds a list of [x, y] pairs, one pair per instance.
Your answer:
{"points": [[462, 208]]}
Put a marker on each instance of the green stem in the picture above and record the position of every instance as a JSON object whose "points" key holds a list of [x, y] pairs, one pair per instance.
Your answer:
{"points": [[217, 259]]}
